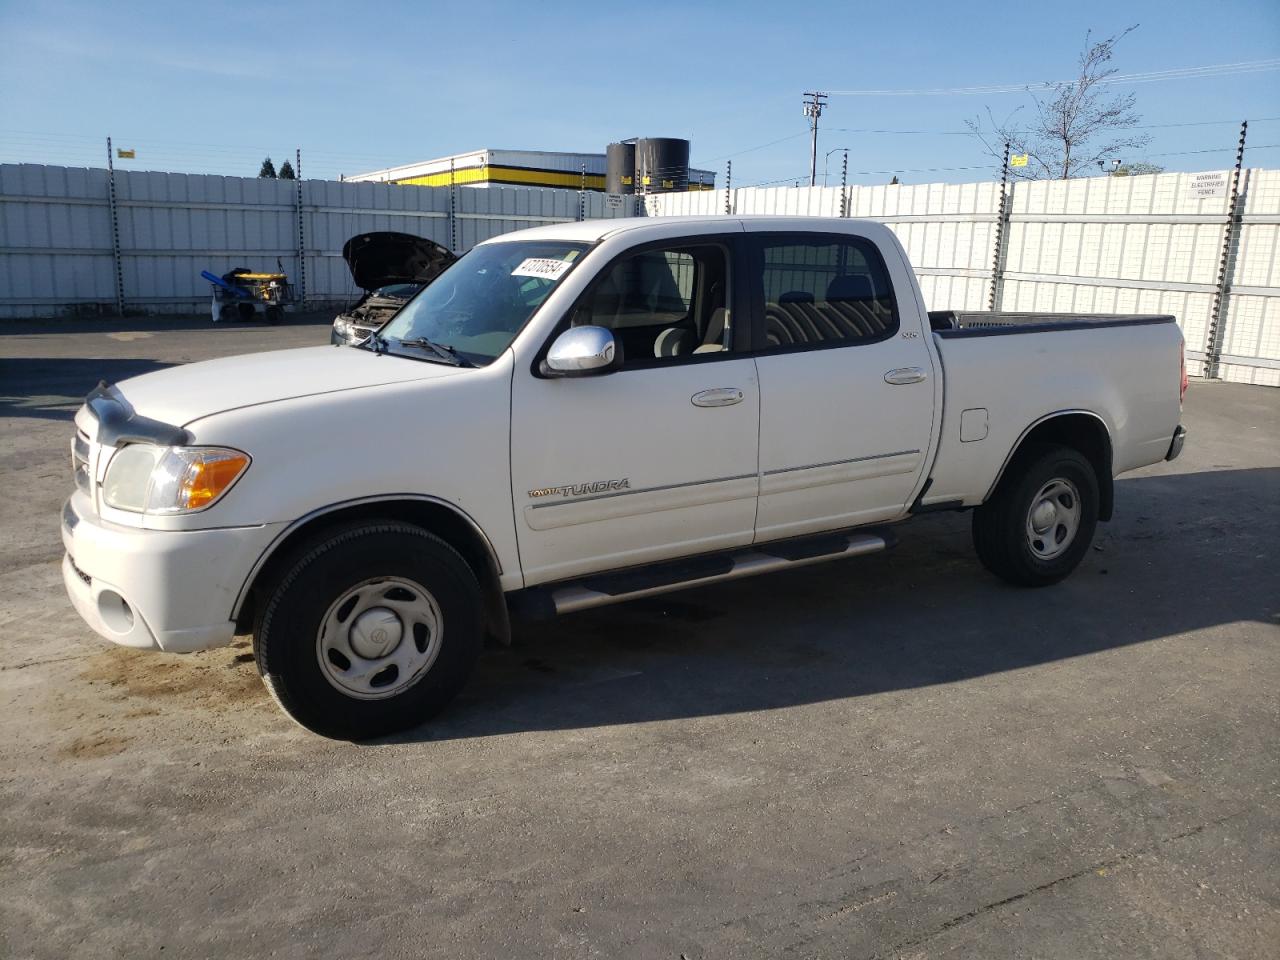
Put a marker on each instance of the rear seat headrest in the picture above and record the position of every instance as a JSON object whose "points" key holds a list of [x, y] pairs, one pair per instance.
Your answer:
{"points": [[850, 287]]}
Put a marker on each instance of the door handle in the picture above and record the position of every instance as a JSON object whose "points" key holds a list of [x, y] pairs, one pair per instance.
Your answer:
{"points": [[905, 375], [717, 397]]}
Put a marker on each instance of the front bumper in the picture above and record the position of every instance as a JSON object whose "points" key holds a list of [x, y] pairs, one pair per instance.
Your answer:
{"points": [[1175, 445], [157, 589]]}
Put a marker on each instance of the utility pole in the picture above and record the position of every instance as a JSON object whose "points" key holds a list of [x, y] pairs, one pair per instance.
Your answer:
{"points": [[813, 110]]}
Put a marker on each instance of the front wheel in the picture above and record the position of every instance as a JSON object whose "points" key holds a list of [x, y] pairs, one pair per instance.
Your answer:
{"points": [[1038, 525], [373, 629]]}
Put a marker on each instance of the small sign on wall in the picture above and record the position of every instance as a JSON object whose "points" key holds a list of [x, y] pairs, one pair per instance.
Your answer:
{"points": [[1204, 185]]}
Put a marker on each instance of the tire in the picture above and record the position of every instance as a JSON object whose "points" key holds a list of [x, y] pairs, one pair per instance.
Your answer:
{"points": [[373, 629], [273, 315], [1039, 524]]}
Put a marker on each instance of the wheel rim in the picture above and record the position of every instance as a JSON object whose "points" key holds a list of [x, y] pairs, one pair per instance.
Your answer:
{"points": [[1054, 519], [379, 638]]}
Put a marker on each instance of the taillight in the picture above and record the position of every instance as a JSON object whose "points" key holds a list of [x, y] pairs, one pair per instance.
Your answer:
{"points": [[1182, 387]]}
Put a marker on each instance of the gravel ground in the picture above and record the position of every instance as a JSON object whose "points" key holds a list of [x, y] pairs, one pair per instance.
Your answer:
{"points": [[889, 757]]}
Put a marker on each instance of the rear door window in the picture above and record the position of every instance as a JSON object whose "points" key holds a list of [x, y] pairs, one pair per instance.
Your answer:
{"points": [[823, 291]]}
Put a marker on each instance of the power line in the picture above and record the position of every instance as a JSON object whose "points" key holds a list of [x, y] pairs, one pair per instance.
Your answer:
{"points": [[879, 173], [970, 133], [761, 146], [1188, 153], [1154, 76], [769, 183]]}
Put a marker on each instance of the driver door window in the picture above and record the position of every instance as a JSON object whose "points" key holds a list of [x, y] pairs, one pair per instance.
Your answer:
{"points": [[663, 304]]}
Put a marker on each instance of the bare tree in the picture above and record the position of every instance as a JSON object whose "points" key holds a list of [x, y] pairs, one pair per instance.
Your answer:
{"points": [[1076, 125], [1138, 169]]}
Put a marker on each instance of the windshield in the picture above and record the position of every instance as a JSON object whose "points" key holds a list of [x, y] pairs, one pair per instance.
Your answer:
{"points": [[478, 305]]}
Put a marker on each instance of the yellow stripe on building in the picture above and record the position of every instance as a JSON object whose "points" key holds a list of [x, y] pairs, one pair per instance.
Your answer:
{"points": [[514, 175], [519, 175]]}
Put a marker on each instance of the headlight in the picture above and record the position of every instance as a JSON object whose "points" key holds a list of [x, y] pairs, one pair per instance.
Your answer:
{"points": [[144, 478], [343, 327]]}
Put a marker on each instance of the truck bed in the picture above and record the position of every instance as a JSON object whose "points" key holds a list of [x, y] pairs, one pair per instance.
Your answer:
{"points": [[1123, 369], [953, 324]]}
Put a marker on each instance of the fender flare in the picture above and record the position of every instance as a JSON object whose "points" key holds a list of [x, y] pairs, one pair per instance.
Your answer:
{"points": [[1106, 486], [495, 566]]}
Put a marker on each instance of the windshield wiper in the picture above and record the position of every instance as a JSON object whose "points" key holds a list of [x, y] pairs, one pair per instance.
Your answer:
{"points": [[445, 352]]}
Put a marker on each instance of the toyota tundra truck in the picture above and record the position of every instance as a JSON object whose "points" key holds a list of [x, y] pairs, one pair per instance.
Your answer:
{"points": [[581, 414]]}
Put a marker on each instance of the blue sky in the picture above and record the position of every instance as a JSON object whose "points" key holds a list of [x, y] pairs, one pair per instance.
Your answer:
{"points": [[216, 86]]}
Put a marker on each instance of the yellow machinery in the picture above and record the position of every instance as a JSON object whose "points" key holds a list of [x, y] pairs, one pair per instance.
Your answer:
{"points": [[243, 295]]}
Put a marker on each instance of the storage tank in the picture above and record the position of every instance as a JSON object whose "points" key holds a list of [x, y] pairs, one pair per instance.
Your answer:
{"points": [[662, 164], [620, 167]]}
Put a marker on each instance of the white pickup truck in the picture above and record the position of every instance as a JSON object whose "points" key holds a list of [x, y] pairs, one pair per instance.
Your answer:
{"points": [[585, 413]]}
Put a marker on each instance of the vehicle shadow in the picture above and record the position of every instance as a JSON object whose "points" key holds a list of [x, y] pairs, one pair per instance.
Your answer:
{"points": [[1183, 554], [52, 388]]}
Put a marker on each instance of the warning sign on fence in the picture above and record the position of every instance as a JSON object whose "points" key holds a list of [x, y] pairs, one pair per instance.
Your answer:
{"points": [[1203, 185]]}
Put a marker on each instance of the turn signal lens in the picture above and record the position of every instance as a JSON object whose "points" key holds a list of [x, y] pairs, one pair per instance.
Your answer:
{"points": [[207, 477]]}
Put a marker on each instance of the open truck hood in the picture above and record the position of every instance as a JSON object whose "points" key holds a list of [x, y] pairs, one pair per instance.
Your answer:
{"points": [[379, 259]]}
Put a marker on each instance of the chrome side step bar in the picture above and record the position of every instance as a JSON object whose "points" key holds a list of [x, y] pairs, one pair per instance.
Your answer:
{"points": [[763, 558]]}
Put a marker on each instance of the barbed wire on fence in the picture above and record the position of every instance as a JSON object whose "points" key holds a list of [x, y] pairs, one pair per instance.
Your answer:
{"points": [[245, 159]]}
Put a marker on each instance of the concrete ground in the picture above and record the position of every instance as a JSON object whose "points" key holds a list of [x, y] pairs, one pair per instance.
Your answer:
{"points": [[886, 757]]}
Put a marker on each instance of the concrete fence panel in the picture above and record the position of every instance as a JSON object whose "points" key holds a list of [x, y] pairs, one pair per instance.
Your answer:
{"points": [[1091, 245], [58, 239]]}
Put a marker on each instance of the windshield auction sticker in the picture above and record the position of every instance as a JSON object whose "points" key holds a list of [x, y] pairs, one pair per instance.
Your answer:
{"points": [[542, 267]]}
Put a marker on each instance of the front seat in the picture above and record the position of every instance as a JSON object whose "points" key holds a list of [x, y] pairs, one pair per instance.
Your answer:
{"points": [[678, 341], [713, 339]]}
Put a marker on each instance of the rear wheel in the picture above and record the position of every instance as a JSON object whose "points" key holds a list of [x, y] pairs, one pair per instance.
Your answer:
{"points": [[373, 629], [1038, 525]]}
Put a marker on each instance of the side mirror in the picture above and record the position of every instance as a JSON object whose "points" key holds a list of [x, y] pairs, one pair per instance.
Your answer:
{"points": [[581, 352]]}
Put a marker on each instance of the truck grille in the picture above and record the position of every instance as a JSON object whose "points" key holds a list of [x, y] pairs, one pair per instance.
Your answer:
{"points": [[88, 580], [80, 462]]}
